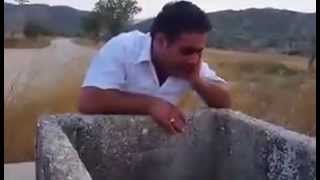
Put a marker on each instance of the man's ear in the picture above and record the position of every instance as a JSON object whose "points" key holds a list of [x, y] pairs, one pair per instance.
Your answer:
{"points": [[161, 40]]}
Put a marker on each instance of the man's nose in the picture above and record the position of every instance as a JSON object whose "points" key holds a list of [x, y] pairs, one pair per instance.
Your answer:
{"points": [[194, 59]]}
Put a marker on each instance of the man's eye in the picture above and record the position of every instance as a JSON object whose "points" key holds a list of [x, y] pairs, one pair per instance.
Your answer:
{"points": [[190, 51], [187, 52]]}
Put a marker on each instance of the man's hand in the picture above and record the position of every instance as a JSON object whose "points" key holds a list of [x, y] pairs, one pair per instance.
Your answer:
{"points": [[214, 94], [167, 116], [194, 75], [191, 73]]}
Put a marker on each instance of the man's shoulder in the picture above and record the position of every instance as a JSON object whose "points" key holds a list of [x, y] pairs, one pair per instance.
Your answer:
{"points": [[134, 33], [131, 43], [131, 37]]}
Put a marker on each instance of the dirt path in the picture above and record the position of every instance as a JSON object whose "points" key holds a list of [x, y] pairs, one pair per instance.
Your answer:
{"points": [[23, 61]]}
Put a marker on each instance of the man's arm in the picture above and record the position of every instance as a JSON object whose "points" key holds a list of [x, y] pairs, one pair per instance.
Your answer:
{"points": [[213, 90], [215, 95], [112, 101]]}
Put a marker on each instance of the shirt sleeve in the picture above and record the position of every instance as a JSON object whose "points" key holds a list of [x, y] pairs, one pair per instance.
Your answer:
{"points": [[107, 70], [210, 74]]}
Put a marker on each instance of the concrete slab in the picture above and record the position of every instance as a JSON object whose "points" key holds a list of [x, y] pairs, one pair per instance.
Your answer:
{"points": [[219, 144]]}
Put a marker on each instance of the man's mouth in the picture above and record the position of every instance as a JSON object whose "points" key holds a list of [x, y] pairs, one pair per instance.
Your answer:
{"points": [[188, 68]]}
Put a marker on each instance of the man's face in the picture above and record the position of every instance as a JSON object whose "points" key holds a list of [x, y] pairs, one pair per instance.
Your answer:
{"points": [[184, 53]]}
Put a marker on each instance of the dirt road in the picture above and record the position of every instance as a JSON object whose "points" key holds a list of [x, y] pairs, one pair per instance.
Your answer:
{"points": [[26, 61]]}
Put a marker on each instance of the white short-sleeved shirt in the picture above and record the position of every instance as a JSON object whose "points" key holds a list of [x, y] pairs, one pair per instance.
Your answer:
{"points": [[124, 63]]}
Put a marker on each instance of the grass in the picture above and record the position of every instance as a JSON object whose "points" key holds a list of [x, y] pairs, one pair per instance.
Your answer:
{"points": [[26, 43], [86, 42], [273, 87], [25, 102]]}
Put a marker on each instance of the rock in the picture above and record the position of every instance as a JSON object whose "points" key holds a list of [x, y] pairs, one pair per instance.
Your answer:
{"points": [[221, 144]]}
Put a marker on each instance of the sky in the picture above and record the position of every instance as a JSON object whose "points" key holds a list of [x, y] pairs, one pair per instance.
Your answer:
{"points": [[150, 8]]}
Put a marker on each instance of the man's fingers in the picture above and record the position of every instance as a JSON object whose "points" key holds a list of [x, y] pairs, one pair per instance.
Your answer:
{"points": [[182, 117], [183, 120], [177, 123], [169, 127]]}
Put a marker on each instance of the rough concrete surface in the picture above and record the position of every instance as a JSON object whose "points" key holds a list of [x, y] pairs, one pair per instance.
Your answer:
{"points": [[220, 144]]}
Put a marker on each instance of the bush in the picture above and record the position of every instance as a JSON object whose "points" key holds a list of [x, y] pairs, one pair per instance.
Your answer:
{"points": [[32, 30]]}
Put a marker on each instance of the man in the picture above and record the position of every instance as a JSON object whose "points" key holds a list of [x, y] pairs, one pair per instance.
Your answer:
{"points": [[146, 74]]}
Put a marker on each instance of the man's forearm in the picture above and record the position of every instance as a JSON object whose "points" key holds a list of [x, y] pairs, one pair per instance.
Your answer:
{"points": [[215, 95], [94, 101]]}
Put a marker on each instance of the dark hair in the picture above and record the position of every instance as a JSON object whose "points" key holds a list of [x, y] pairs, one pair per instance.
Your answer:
{"points": [[178, 17]]}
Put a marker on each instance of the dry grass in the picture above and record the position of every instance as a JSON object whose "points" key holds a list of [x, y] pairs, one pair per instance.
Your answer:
{"points": [[26, 43], [27, 101], [272, 87], [87, 42]]}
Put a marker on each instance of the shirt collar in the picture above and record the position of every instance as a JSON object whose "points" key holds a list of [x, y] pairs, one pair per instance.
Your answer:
{"points": [[145, 54]]}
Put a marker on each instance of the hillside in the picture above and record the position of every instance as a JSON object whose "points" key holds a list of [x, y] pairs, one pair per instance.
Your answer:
{"points": [[250, 30], [58, 19], [255, 29]]}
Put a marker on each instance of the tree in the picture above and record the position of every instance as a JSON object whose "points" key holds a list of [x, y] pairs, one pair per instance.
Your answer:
{"points": [[90, 25], [21, 13], [313, 48], [22, 2], [111, 16], [32, 30]]}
